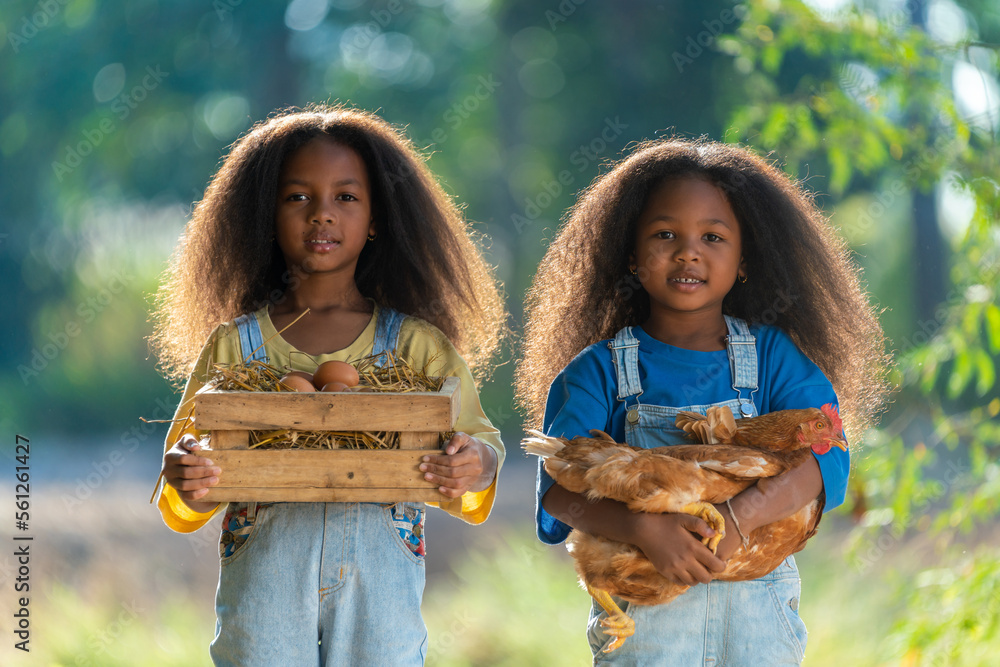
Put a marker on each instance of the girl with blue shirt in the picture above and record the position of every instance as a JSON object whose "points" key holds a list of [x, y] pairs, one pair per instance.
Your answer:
{"points": [[695, 274]]}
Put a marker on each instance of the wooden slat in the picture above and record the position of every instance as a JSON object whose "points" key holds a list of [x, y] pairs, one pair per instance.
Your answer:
{"points": [[319, 411], [453, 387], [417, 440], [230, 440], [341, 468], [313, 495]]}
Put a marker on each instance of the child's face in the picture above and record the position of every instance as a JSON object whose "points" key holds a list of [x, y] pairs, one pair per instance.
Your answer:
{"points": [[688, 247], [324, 214]]}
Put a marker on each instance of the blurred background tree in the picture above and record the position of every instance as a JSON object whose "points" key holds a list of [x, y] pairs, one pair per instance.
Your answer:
{"points": [[897, 107], [114, 115]]}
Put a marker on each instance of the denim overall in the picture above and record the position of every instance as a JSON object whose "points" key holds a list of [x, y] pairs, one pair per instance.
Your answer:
{"points": [[720, 623], [321, 583]]}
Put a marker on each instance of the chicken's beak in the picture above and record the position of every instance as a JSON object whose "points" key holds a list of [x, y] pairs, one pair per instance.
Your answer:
{"points": [[839, 444]]}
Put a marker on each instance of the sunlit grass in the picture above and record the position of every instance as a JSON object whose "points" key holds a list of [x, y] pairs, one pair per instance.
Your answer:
{"points": [[513, 601], [517, 603], [71, 631], [848, 613]]}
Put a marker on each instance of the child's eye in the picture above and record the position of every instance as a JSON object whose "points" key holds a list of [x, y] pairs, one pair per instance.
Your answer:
{"points": [[347, 197], [298, 196], [712, 238], [664, 235]]}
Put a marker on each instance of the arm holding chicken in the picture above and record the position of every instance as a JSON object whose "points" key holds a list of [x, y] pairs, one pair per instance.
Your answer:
{"points": [[638, 514], [668, 540], [770, 500], [672, 541]]}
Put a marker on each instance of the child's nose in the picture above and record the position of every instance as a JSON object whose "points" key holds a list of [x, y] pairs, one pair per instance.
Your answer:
{"points": [[323, 212], [687, 251]]}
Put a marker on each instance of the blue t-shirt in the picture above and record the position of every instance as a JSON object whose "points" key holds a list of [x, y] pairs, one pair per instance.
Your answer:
{"points": [[584, 396]]}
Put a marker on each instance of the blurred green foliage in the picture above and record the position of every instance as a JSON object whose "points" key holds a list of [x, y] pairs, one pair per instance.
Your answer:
{"points": [[113, 119], [952, 615], [878, 103]]}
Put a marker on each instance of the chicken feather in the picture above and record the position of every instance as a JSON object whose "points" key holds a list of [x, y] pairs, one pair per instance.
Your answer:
{"points": [[677, 478]]}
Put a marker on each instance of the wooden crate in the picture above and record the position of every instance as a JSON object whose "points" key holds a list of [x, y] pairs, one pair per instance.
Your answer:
{"points": [[338, 475]]}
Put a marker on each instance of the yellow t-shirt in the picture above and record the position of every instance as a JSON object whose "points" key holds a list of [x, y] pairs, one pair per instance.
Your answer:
{"points": [[420, 343]]}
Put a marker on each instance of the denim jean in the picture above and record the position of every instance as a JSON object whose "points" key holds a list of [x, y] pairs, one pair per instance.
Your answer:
{"points": [[308, 584], [311, 584], [722, 623]]}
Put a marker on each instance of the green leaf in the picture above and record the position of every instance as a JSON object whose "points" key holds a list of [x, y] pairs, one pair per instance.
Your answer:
{"points": [[840, 168], [961, 373], [771, 57], [970, 320], [992, 317], [774, 128], [929, 370], [986, 372], [806, 135]]}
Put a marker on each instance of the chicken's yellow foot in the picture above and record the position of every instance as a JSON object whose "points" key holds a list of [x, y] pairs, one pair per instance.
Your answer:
{"points": [[617, 624], [712, 517]]}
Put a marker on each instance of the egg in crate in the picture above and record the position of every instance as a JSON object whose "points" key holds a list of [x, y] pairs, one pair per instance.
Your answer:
{"points": [[298, 381], [338, 372]]}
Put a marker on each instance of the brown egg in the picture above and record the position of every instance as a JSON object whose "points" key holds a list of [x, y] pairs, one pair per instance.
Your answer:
{"points": [[335, 386], [298, 381], [336, 371]]}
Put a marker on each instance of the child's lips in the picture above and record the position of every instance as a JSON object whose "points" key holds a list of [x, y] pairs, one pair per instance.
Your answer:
{"points": [[322, 245], [686, 283]]}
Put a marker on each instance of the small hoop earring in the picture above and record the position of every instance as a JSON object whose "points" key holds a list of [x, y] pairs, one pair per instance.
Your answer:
{"points": [[372, 237], [742, 279], [635, 271]]}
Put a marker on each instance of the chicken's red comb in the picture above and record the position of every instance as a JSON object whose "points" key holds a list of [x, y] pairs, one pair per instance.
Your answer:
{"points": [[830, 410]]}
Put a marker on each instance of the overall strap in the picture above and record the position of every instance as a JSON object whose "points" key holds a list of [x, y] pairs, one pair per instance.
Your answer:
{"points": [[741, 346], [386, 332], [625, 348], [252, 345], [251, 338]]}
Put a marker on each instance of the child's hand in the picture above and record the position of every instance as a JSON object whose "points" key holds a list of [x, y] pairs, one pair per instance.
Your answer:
{"points": [[672, 544], [468, 465], [732, 541], [189, 473]]}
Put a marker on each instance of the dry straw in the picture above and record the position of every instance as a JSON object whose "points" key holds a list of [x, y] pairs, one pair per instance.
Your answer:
{"points": [[394, 375]]}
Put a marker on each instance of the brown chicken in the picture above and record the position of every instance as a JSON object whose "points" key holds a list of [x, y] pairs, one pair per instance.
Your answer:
{"points": [[687, 479]]}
